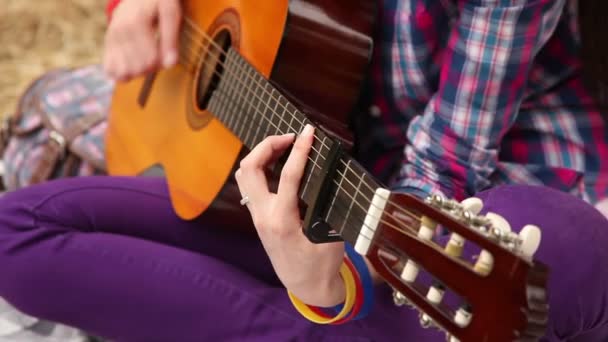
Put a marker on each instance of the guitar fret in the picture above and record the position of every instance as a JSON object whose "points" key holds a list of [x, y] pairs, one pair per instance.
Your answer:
{"points": [[291, 127], [353, 197], [261, 109], [229, 92], [258, 116], [223, 99], [365, 199], [335, 197], [313, 166], [224, 96], [265, 112], [301, 119], [250, 107], [280, 111], [273, 125], [237, 100], [284, 122], [262, 116], [212, 106], [352, 201], [246, 115]]}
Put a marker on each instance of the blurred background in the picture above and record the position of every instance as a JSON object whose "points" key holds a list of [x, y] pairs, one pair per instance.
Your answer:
{"points": [[38, 35]]}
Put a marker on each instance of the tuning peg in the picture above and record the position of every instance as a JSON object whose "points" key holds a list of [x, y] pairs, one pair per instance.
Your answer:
{"points": [[530, 236], [427, 229], [455, 245], [462, 318], [472, 204], [435, 296], [499, 222], [399, 299], [500, 226]]}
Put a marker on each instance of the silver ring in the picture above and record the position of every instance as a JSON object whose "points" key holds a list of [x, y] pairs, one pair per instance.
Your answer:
{"points": [[245, 200]]}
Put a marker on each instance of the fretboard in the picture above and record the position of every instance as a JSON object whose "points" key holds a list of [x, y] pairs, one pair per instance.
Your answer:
{"points": [[252, 108]]}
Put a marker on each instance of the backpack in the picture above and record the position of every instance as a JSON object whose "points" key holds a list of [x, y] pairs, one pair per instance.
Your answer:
{"points": [[58, 128]]}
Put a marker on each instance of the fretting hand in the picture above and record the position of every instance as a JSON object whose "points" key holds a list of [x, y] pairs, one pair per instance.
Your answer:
{"points": [[141, 37], [310, 271]]}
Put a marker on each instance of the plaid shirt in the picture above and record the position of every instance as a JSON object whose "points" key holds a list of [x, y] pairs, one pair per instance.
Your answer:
{"points": [[470, 94]]}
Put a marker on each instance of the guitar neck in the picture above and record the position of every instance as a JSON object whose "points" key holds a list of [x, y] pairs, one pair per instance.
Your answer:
{"points": [[252, 108]]}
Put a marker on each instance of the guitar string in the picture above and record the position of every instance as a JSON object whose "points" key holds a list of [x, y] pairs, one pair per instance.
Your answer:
{"points": [[358, 191], [204, 35], [224, 98], [347, 166], [390, 203], [405, 212], [381, 238], [224, 53], [341, 208], [344, 175]]}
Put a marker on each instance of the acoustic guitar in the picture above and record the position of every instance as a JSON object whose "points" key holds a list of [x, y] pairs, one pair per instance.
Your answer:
{"points": [[249, 69]]}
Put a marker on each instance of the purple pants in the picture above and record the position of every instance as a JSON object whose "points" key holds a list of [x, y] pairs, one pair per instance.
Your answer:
{"points": [[109, 256]]}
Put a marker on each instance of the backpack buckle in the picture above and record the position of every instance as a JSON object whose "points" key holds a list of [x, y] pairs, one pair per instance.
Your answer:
{"points": [[5, 133], [60, 141]]}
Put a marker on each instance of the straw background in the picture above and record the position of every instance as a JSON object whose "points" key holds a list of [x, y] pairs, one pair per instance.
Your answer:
{"points": [[38, 35]]}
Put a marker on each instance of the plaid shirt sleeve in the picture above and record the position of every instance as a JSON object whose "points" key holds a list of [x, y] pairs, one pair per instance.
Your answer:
{"points": [[453, 146]]}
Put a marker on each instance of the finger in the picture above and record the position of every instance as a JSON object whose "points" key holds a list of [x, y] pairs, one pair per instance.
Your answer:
{"points": [[267, 151], [111, 57], [126, 68], [117, 66], [253, 190], [119, 41], [292, 172], [251, 177], [239, 183], [170, 16], [142, 53]]}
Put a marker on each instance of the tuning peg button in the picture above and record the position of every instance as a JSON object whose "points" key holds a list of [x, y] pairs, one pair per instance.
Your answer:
{"points": [[473, 205], [455, 244], [498, 222], [462, 318], [486, 261], [530, 236], [427, 229]]}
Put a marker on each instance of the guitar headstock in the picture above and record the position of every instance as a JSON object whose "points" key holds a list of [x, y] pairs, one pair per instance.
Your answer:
{"points": [[496, 294]]}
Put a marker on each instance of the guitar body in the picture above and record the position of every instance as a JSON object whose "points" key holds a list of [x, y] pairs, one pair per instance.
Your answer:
{"points": [[315, 51]]}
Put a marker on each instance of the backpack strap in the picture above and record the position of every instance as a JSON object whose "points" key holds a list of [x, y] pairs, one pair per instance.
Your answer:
{"points": [[57, 148]]}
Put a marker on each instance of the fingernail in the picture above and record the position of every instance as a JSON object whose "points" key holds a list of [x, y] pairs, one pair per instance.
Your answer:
{"points": [[170, 59], [307, 130]]}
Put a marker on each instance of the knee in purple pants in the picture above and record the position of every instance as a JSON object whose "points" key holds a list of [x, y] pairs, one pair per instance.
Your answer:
{"points": [[122, 265]]}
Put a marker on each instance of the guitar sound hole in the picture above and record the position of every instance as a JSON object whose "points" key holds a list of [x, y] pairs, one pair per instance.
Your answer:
{"points": [[212, 68]]}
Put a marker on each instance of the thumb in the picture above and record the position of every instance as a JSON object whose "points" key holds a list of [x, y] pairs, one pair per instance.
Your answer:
{"points": [[169, 17]]}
